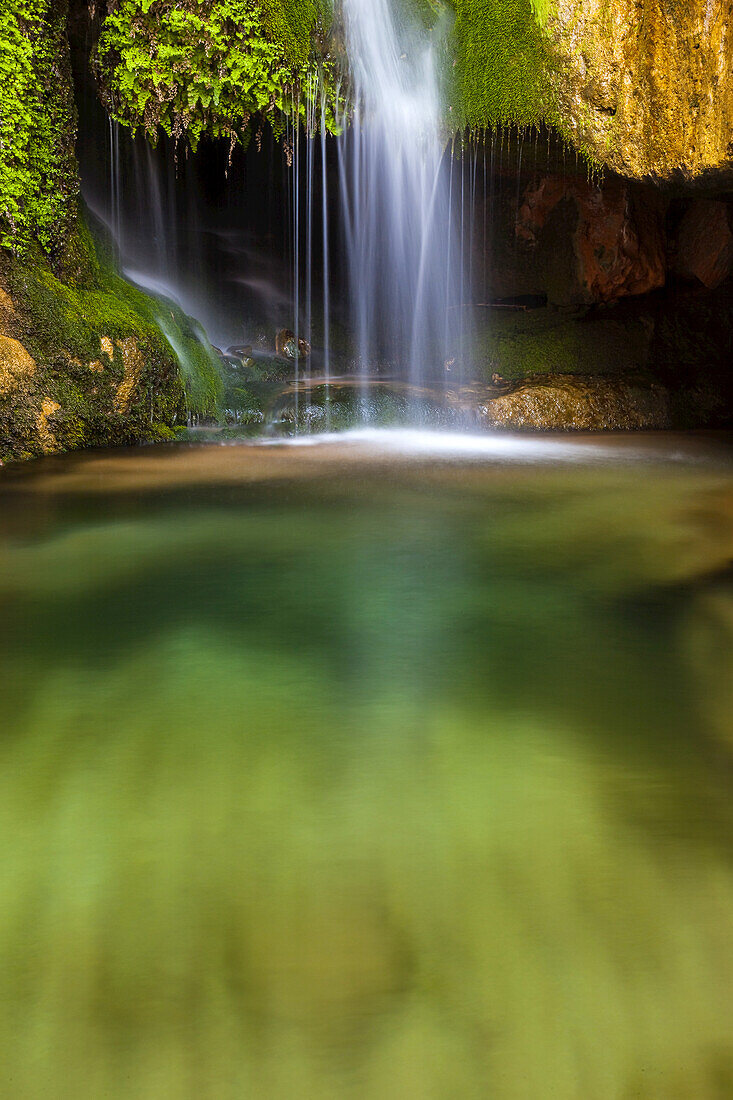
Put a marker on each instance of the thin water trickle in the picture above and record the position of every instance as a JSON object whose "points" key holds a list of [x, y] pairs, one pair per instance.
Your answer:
{"points": [[326, 261]]}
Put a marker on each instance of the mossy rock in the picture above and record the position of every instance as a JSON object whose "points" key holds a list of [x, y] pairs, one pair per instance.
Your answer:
{"points": [[643, 89], [502, 65], [111, 364], [215, 67]]}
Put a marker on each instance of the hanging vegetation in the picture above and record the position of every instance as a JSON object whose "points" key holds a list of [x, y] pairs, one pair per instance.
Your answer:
{"points": [[38, 183], [214, 67]]}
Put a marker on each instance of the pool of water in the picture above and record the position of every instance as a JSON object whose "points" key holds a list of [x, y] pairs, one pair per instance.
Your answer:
{"points": [[393, 767]]}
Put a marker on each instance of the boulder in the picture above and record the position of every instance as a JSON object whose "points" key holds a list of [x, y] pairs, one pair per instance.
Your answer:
{"points": [[16, 365], [557, 402]]}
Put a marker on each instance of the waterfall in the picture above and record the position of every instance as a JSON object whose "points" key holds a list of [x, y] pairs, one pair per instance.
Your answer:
{"points": [[367, 269], [398, 282], [403, 250]]}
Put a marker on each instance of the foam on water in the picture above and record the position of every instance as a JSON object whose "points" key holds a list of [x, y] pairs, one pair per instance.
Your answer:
{"points": [[493, 446]]}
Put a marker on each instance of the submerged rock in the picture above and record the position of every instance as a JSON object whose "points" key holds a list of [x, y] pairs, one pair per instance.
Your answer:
{"points": [[707, 638], [240, 351]]}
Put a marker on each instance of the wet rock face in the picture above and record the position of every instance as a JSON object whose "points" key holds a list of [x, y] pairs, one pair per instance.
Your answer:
{"points": [[83, 388], [618, 244], [704, 245], [645, 85]]}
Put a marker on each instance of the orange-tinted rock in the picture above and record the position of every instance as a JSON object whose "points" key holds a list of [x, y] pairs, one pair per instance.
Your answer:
{"points": [[16, 365], [645, 85], [557, 402], [133, 360], [705, 243], [618, 243]]}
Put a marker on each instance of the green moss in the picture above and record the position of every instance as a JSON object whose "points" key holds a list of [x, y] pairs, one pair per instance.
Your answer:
{"points": [[74, 313], [199, 364], [544, 341], [215, 67], [502, 70], [292, 24], [38, 178], [543, 9]]}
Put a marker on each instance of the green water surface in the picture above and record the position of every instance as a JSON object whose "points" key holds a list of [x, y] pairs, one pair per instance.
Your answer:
{"points": [[326, 775]]}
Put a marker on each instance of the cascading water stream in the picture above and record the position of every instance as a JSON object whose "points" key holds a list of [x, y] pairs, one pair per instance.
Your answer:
{"points": [[403, 251], [398, 187]]}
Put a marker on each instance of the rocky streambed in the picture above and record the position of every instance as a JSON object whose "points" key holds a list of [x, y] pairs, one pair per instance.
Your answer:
{"points": [[546, 402]]}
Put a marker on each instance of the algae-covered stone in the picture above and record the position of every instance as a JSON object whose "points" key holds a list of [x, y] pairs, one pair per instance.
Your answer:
{"points": [[565, 403], [93, 348], [517, 343]]}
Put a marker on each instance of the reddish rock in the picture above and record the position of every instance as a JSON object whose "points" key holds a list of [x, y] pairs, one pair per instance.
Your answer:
{"points": [[705, 243], [618, 242]]}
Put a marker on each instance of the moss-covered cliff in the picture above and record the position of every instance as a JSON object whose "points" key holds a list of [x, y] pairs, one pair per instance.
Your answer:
{"points": [[83, 360], [640, 86], [502, 64], [38, 178], [646, 86], [643, 87]]}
